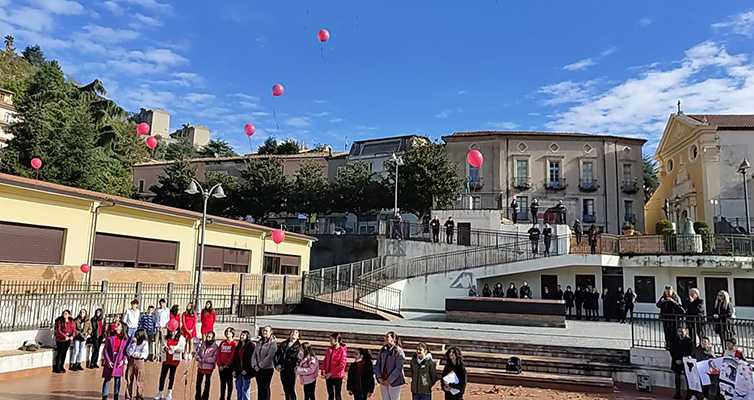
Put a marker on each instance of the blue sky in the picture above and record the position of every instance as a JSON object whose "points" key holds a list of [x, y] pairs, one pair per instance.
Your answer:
{"points": [[396, 67]]}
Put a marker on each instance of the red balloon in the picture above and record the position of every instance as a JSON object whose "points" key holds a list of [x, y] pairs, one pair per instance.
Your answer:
{"points": [[278, 236], [277, 90], [249, 129], [84, 268], [151, 142], [475, 158], [323, 35], [142, 129], [36, 163], [173, 325]]}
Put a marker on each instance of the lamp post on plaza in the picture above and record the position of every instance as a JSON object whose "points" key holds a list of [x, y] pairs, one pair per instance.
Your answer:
{"points": [[398, 161], [743, 169], [217, 192]]}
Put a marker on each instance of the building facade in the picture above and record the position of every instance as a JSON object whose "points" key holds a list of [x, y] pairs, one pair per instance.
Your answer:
{"points": [[698, 159], [7, 115], [158, 120], [375, 152], [49, 230], [599, 178]]}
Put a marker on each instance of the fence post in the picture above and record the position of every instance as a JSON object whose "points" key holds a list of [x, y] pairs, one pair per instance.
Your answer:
{"points": [[232, 297], [285, 287], [337, 277], [138, 291], [263, 291], [169, 293], [322, 281], [103, 287]]}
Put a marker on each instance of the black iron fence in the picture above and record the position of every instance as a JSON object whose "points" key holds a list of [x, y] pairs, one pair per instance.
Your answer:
{"points": [[361, 295], [39, 311], [714, 244], [456, 235], [653, 330]]}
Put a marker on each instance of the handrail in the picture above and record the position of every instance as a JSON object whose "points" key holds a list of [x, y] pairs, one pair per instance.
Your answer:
{"points": [[653, 330], [361, 295]]}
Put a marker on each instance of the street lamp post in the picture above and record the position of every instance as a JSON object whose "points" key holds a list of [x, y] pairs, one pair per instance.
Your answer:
{"points": [[217, 192], [742, 169], [398, 161]]}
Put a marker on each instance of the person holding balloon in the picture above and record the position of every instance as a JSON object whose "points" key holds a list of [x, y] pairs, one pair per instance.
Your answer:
{"points": [[175, 345]]}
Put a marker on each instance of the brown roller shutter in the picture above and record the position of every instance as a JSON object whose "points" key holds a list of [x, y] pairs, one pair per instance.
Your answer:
{"points": [[235, 256], [213, 256], [286, 259], [115, 248], [31, 244], [157, 252]]}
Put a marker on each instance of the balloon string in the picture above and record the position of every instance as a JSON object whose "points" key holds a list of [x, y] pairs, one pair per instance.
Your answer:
{"points": [[250, 148], [275, 117], [322, 50]]}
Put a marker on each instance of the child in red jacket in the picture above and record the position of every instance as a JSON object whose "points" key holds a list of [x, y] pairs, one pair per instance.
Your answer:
{"points": [[225, 357], [65, 329], [334, 366], [188, 329], [208, 318]]}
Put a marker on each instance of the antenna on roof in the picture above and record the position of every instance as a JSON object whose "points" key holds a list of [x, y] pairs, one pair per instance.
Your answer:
{"points": [[679, 107]]}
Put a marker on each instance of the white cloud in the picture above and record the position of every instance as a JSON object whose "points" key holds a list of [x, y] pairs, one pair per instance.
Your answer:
{"points": [[113, 7], [567, 92], [105, 34], [462, 92], [741, 24], [319, 101], [645, 21], [153, 61], [707, 80], [150, 4], [298, 122], [448, 112], [503, 125], [32, 19], [608, 51], [141, 20], [62, 7], [199, 97], [336, 120], [182, 79], [579, 65], [318, 114], [260, 114], [262, 41]]}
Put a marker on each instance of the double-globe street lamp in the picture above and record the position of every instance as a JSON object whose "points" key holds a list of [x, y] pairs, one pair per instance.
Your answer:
{"points": [[217, 192], [742, 169]]}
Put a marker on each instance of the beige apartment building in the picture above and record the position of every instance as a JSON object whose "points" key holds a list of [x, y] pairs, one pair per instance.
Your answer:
{"points": [[7, 115], [147, 174], [598, 177], [699, 158]]}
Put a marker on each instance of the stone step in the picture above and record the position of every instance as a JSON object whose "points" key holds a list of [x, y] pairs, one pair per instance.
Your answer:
{"points": [[16, 361]]}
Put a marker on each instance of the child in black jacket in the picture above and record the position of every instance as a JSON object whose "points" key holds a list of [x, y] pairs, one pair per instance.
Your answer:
{"points": [[360, 382]]}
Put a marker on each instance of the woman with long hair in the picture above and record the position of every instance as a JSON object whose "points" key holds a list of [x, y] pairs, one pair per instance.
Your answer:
{"points": [[334, 366], [307, 370], [454, 375], [97, 324], [360, 383], [174, 346], [137, 352], [206, 357], [114, 360], [188, 329], [242, 364], [65, 329], [389, 367], [263, 362], [722, 312], [83, 332], [208, 318], [286, 359]]}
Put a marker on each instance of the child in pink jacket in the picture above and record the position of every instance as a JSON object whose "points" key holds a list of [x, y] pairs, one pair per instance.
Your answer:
{"points": [[307, 370], [206, 357], [334, 366]]}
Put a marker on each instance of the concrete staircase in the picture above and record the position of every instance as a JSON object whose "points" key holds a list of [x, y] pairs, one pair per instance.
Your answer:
{"points": [[543, 366]]}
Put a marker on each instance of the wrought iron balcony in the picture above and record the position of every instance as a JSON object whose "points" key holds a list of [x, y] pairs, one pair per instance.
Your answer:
{"points": [[559, 184], [630, 186], [588, 185], [522, 182], [476, 184]]}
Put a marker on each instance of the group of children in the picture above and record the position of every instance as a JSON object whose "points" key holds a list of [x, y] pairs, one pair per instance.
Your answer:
{"points": [[166, 336]]}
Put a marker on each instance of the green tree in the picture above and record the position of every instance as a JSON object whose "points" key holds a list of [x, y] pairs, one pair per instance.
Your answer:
{"points": [[34, 56], [217, 148], [262, 189], [15, 73], [651, 182], [179, 148], [228, 206], [356, 191], [309, 193], [272, 146], [426, 177], [59, 123], [172, 184]]}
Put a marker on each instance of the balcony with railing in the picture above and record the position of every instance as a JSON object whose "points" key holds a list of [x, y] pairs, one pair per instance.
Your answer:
{"points": [[478, 201], [476, 184], [588, 185], [555, 185], [521, 182], [629, 186]]}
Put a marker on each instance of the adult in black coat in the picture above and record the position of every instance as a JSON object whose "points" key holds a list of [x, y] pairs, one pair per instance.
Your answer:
{"points": [[498, 291], [286, 359], [704, 352], [681, 346], [630, 300], [568, 296], [722, 312], [595, 304], [620, 306], [486, 292], [534, 238], [454, 364], [512, 292], [578, 300], [695, 315], [360, 383], [534, 209], [525, 291], [242, 359], [558, 293], [670, 311]]}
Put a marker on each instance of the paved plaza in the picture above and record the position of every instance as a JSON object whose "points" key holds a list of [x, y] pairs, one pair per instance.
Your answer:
{"points": [[604, 335]]}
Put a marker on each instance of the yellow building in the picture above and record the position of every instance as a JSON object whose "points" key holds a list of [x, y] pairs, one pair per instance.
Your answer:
{"points": [[47, 231], [698, 159]]}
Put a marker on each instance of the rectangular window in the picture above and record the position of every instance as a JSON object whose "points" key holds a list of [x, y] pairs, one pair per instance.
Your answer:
{"points": [[281, 264], [644, 287], [473, 174], [522, 169], [132, 252], [225, 259], [141, 186], [744, 292], [627, 173], [554, 172], [523, 207], [31, 244], [587, 171], [476, 202], [628, 210], [588, 209]]}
